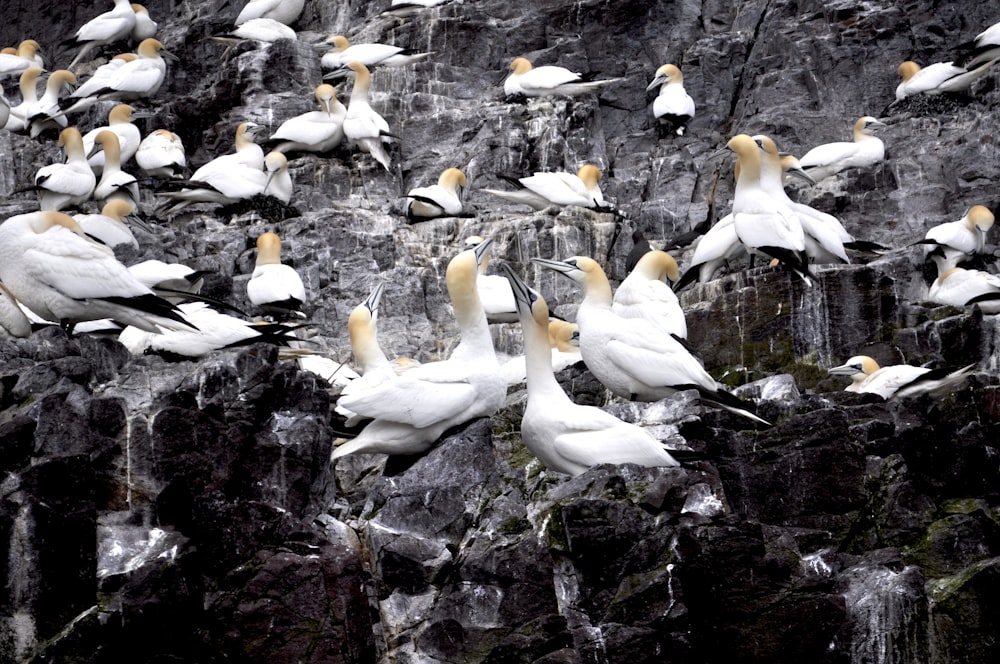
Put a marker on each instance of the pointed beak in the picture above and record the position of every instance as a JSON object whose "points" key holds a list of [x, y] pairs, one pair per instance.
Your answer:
{"points": [[164, 53], [481, 250], [844, 370], [656, 82], [373, 299], [522, 294], [798, 172]]}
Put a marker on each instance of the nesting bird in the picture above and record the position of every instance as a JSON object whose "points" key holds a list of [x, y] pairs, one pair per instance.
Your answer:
{"points": [[39, 115], [274, 287], [129, 137], [937, 78], [115, 184], [370, 55], [315, 131], [111, 226], [632, 357], [283, 11], [959, 287], [957, 241], [548, 80], [673, 107], [828, 159], [411, 412], [112, 26], [161, 154], [68, 184], [50, 265], [138, 78], [443, 199], [28, 54], [567, 437], [644, 294], [543, 190], [898, 380], [265, 30]]}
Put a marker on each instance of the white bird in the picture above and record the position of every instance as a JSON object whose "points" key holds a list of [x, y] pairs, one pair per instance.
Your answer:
{"points": [[315, 131], [899, 380], [139, 78], [102, 76], [172, 281], [370, 55], [68, 184], [673, 107], [714, 250], [937, 78], [283, 11], [644, 294], [112, 26], [12, 318], [213, 330], [543, 190], [632, 357], [764, 224], [407, 8], [824, 235], [233, 183], [39, 114], [443, 199], [866, 150], [145, 27], [986, 47], [115, 184], [111, 226], [959, 240], [494, 290], [548, 80], [564, 340], [17, 116], [961, 288], [161, 154], [364, 128], [248, 153], [51, 266], [129, 137], [265, 30], [412, 411], [273, 286], [27, 55], [566, 437]]}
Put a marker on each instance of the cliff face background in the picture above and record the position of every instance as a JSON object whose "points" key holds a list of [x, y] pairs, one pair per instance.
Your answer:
{"points": [[163, 511]]}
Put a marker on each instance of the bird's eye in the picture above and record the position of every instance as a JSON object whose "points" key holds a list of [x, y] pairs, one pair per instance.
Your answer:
{"points": [[759, 143], [572, 262]]}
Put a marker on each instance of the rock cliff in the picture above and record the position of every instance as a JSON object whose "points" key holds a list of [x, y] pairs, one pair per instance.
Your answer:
{"points": [[155, 510]]}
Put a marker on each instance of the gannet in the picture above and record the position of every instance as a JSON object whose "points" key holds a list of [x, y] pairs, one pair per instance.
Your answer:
{"points": [[764, 224], [566, 437], [115, 184], [364, 128], [51, 266], [714, 249], [17, 118], [494, 290], [315, 131], [956, 241], [161, 154], [640, 245], [273, 286], [12, 318], [248, 153], [111, 226], [542, 190], [412, 411], [370, 55], [68, 184], [139, 78], [564, 340], [265, 30], [283, 11], [234, 182], [405, 8], [107, 28], [443, 199], [632, 357], [899, 380], [644, 294], [673, 106], [38, 114], [145, 27], [101, 78], [867, 150], [214, 330], [824, 235], [548, 80], [961, 288], [937, 78], [27, 55], [172, 281], [986, 47], [129, 137]]}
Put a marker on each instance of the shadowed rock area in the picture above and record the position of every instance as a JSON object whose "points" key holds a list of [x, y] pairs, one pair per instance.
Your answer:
{"points": [[186, 511]]}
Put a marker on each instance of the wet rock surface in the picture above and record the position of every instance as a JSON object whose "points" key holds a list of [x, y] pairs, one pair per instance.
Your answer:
{"points": [[163, 511]]}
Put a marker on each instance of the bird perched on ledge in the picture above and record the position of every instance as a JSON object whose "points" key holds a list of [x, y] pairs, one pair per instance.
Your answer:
{"points": [[548, 80], [898, 380]]}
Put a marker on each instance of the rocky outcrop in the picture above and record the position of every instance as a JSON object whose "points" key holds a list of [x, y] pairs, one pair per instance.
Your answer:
{"points": [[186, 511]]}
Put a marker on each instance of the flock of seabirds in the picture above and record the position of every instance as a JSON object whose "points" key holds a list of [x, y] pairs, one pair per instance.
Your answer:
{"points": [[61, 269]]}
